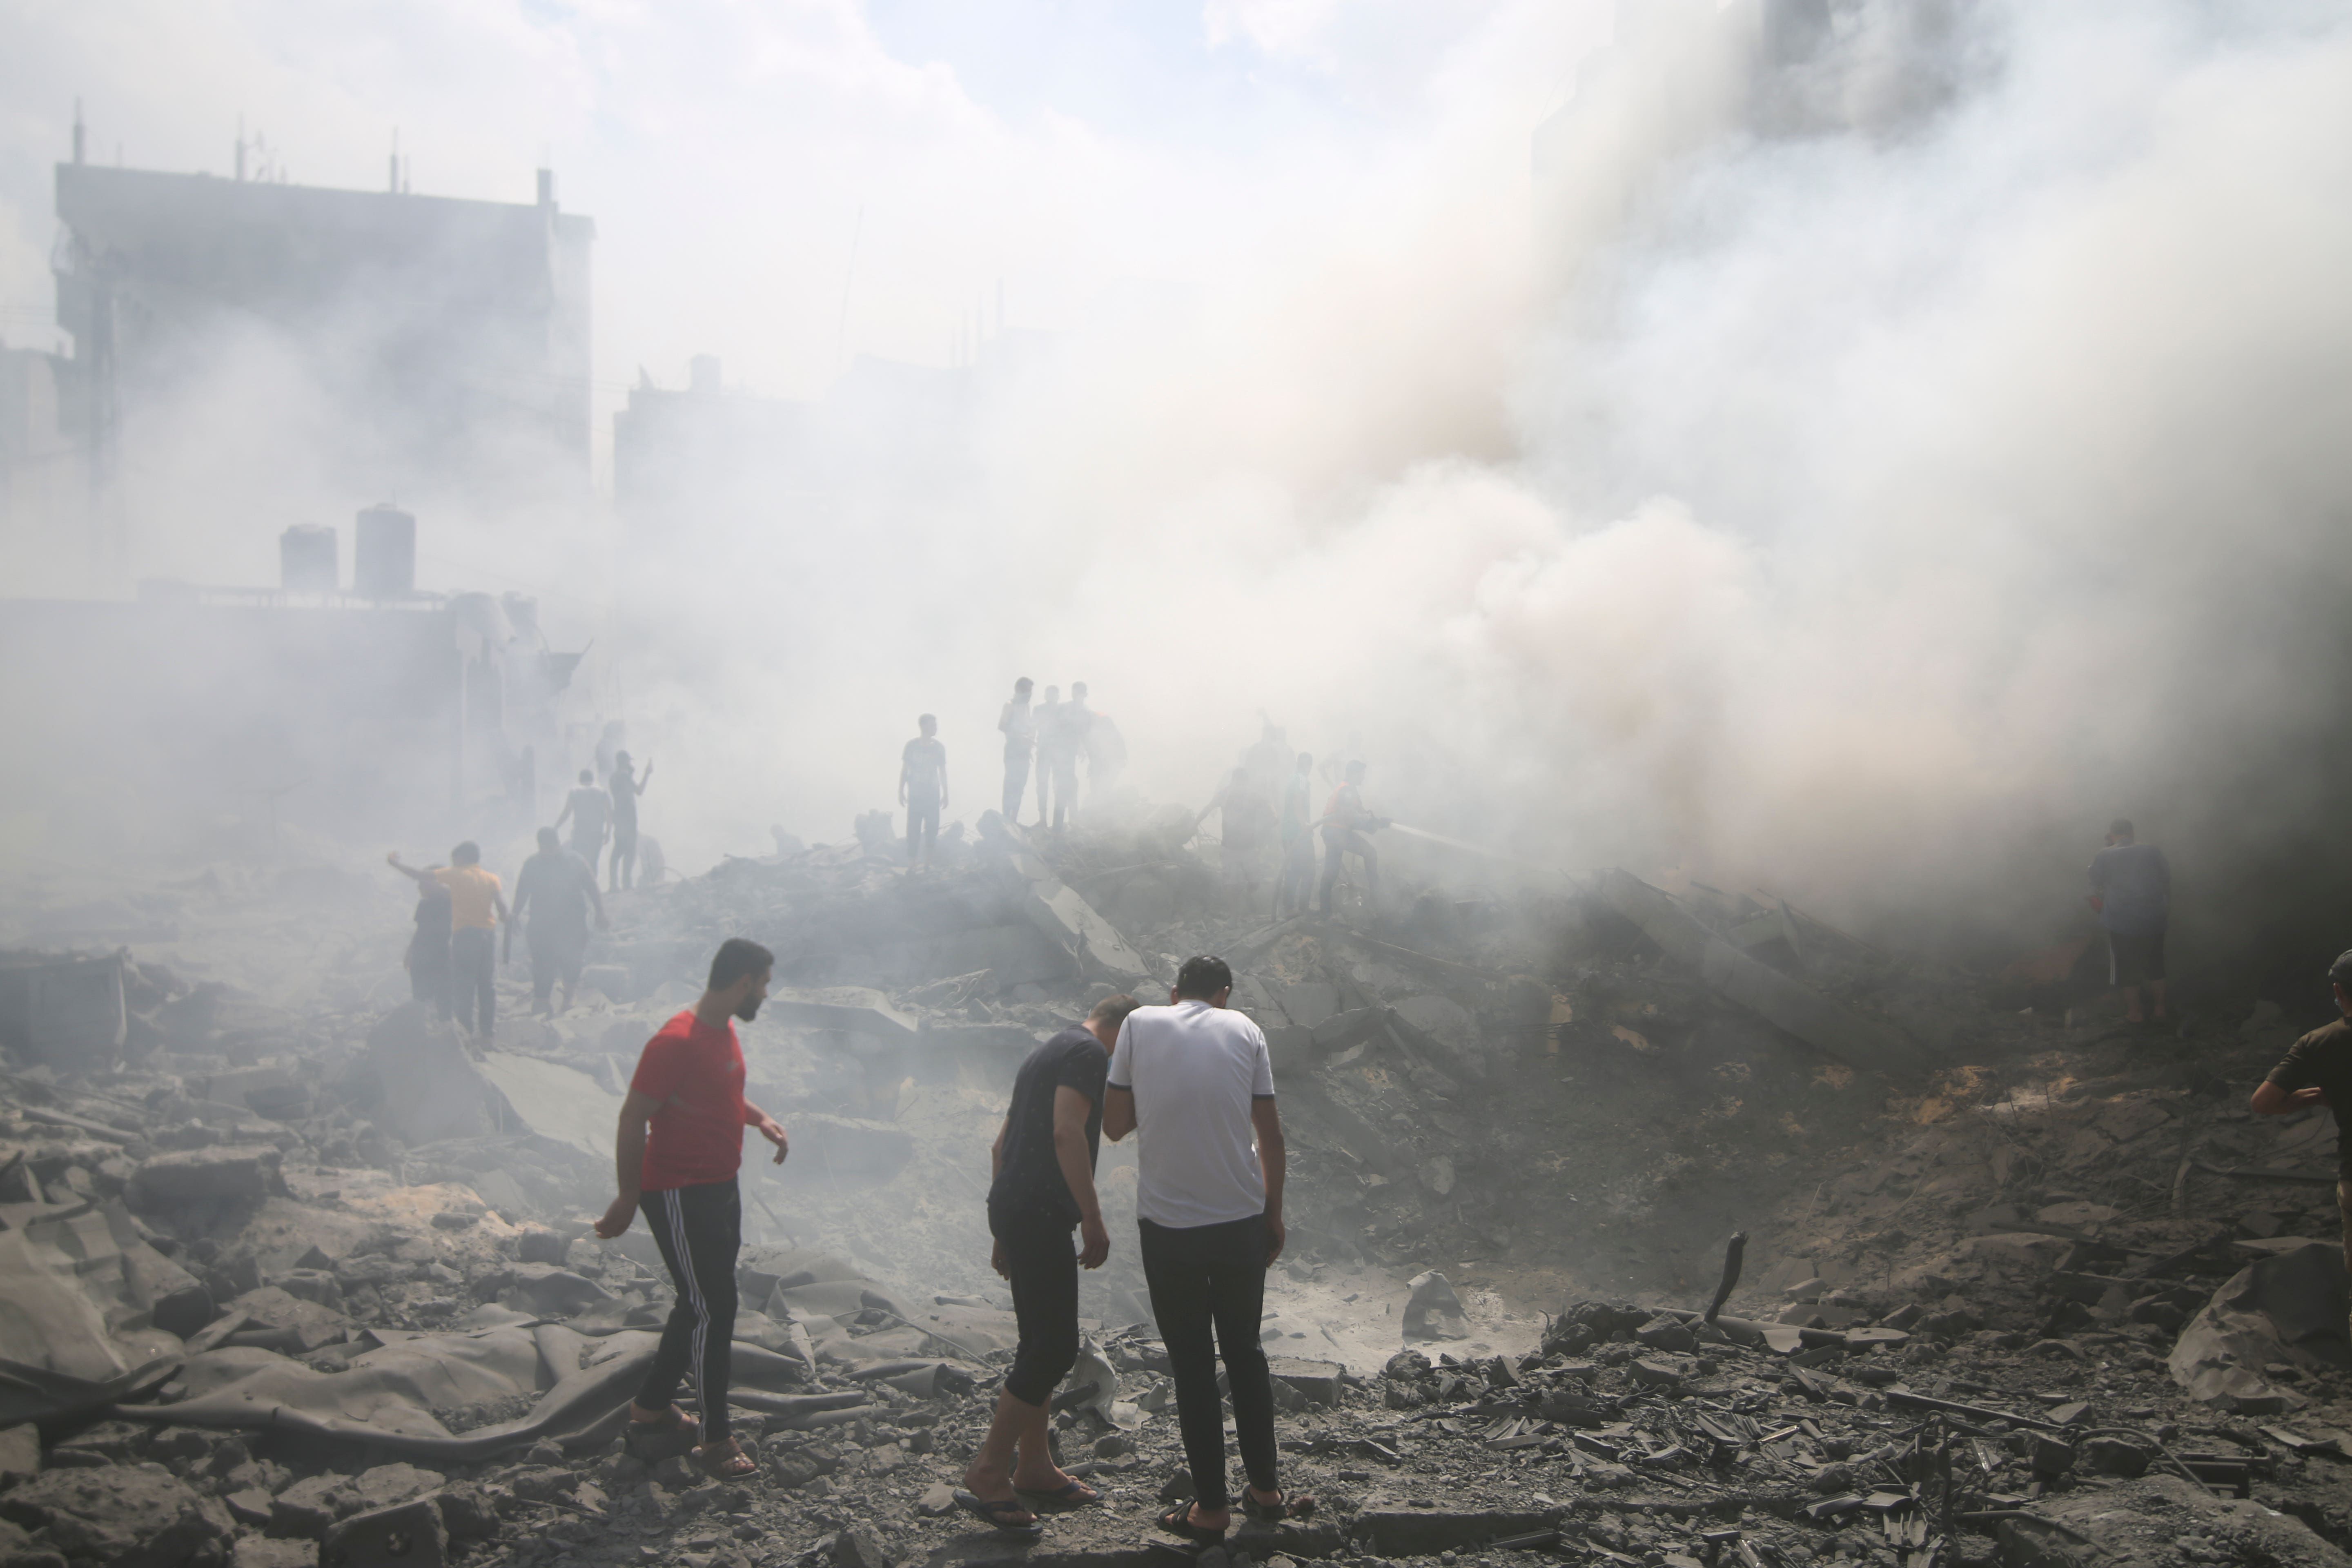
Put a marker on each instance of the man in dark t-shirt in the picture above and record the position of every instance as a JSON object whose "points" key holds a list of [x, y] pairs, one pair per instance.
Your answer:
{"points": [[923, 790], [2317, 1070], [2131, 887], [1044, 1184], [553, 896]]}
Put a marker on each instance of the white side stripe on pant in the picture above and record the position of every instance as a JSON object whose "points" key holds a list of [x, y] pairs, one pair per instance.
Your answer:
{"points": [[674, 1213]]}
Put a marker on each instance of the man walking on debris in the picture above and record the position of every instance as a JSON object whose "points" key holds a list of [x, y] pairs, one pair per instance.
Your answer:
{"points": [[1345, 822], [556, 889], [1020, 729], [675, 1155], [2317, 1070], [1297, 873], [923, 791], [2131, 887], [1194, 1081], [626, 788], [476, 904], [1042, 1185], [590, 812]]}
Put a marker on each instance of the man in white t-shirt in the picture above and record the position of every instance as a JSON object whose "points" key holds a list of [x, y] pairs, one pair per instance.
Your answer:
{"points": [[1194, 1080]]}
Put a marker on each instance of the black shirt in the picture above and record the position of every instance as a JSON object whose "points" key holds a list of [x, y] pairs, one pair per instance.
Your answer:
{"points": [[1029, 1182], [2323, 1057], [559, 887]]}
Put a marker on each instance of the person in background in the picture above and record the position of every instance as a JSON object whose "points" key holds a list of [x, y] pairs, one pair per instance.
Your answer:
{"points": [[477, 906], [1057, 760], [2317, 1071], [1346, 821], [1245, 831], [427, 959], [1040, 1187], [2131, 887], [923, 791], [1297, 874], [1078, 725], [590, 812], [553, 894], [626, 788], [677, 1154], [1105, 757], [1019, 726], [1193, 1080]]}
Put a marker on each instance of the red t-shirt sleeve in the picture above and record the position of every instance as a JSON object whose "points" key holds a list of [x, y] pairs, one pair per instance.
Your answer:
{"points": [[661, 1067]]}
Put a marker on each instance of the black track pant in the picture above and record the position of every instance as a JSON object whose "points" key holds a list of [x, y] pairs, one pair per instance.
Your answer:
{"points": [[1042, 1267], [1203, 1277], [699, 1230]]}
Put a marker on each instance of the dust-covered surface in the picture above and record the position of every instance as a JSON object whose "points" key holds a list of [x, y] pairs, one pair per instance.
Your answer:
{"points": [[350, 1243]]}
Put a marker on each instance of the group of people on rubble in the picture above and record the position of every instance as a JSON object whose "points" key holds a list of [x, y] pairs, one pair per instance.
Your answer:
{"points": [[1050, 735], [454, 955], [1192, 1081]]}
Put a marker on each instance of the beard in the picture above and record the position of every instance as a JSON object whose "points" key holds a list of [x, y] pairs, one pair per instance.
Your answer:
{"points": [[749, 1010]]}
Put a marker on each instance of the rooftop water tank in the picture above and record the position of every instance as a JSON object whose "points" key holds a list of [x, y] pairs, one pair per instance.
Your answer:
{"points": [[306, 560], [383, 558]]}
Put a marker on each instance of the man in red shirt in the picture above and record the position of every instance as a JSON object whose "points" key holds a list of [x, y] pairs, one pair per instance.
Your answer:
{"points": [[689, 1091]]}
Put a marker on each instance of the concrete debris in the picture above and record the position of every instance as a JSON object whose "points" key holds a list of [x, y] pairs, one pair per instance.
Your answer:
{"points": [[1434, 1312], [64, 1010], [2286, 1310]]}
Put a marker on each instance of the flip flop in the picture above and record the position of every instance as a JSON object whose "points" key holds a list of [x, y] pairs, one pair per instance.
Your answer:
{"points": [[1071, 1495], [1178, 1521], [734, 1465], [994, 1513]]}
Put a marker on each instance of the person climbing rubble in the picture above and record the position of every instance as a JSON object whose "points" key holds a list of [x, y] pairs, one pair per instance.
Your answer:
{"points": [[1345, 822], [676, 1154], [427, 959], [1195, 1081], [2317, 1070], [923, 791], [554, 893], [626, 786], [1040, 1187], [1018, 725], [590, 811], [2131, 887], [477, 906]]}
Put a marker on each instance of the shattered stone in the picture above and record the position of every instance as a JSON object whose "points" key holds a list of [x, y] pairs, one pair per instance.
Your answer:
{"points": [[141, 1515], [1434, 1312], [406, 1535]]}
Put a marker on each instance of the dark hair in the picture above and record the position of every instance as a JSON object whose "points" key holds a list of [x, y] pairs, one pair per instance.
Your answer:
{"points": [[587, 777], [2121, 828], [466, 854], [1305, 761], [1354, 768], [1113, 1010], [2340, 972], [1024, 680], [927, 719], [548, 839], [736, 957], [1203, 977]]}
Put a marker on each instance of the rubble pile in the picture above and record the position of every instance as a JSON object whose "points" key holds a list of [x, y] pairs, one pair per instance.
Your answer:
{"points": [[303, 1275]]}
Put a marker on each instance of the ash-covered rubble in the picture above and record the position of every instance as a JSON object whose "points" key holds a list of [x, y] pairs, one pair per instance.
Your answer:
{"points": [[307, 1280]]}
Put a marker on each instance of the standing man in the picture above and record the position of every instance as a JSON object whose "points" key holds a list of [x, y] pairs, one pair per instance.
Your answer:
{"points": [[1297, 872], [557, 888], [1195, 1079], [626, 788], [1078, 724], [1020, 728], [2131, 887], [2317, 1070], [476, 904], [428, 951], [1345, 822], [1057, 760], [590, 812], [923, 791], [1042, 1185], [675, 1155]]}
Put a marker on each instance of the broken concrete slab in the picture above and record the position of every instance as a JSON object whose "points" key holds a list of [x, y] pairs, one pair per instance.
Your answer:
{"points": [[403, 1535], [1070, 923], [232, 1174], [825, 1147], [2288, 1307], [64, 1011], [1831, 1027], [851, 1009], [427, 1087], [1394, 1531], [1434, 1312], [2132, 1523], [555, 1101]]}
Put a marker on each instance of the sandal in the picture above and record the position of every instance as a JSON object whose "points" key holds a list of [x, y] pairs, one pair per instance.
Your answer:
{"points": [[1178, 1521], [1288, 1505], [730, 1464], [995, 1513], [1071, 1494]]}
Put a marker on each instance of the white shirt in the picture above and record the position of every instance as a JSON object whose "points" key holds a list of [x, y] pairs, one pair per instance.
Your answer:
{"points": [[1194, 1069]]}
